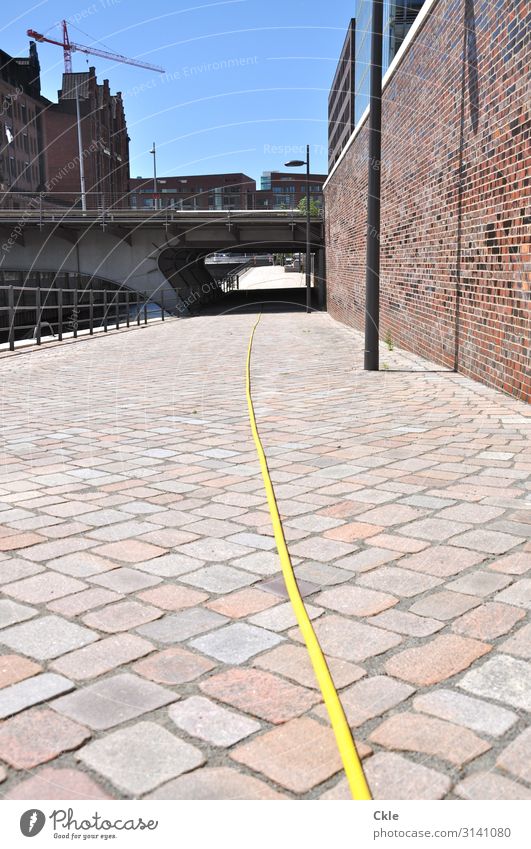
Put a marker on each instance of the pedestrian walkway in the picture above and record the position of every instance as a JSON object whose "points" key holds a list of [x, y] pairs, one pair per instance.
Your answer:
{"points": [[148, 649]]}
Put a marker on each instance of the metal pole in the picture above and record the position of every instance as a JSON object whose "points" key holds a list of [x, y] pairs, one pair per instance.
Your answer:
{"points": [[162, 304], [91, 310], [75, 311], [80, 151], [154, 152], [127, 306], [60, 313], [308, 254], [372, 274], [105, 310], [145, 308], [11, 304], [38, 314]]}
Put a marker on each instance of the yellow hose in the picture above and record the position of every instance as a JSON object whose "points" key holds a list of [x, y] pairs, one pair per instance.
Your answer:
{"points": [[347, 748]]}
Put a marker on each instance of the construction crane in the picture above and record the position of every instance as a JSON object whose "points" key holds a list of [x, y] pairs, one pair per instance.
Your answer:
{"points": [[70, 47]]}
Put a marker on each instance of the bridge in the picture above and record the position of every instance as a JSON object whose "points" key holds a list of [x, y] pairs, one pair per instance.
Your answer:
{"points": [[157, 253]]}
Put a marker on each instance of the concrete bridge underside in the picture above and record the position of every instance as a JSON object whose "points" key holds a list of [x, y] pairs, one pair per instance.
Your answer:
{"points": [[162, 257]]}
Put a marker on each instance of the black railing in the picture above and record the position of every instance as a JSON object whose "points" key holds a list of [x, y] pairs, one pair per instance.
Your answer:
{"points": [[27, 312]]}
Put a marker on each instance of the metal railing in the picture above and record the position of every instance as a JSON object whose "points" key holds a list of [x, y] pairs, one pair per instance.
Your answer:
{"points": [[71, 312]]}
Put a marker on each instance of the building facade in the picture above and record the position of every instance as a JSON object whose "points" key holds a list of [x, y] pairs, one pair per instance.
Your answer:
{"points": [[201, 192], [349, 93], [454, 249], [341, 98], [286, 189], [22, 164], [104, 143]]}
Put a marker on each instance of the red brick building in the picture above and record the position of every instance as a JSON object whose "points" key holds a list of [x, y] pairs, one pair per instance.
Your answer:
{"points": [[105, 143], [22, 165], [286, 189], [455, 196], [200, 191]]}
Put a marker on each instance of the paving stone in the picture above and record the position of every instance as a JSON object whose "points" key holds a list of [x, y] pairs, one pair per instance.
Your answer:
{"points": [[277, 586], [516, 758], [125, 580], [172, 597], [399, 544], [391, 776], [216, 725], [32, 691], [38, 735], [370, 558], [215, 783], [219, 579], [390, 514], [480, 716], [503, 678], [129, 551], [434, 661], [169, 565], [293, 662], [259, 562], [489, 621], [113, 701], [260, 541], [321, 549], [11, 613], [50, 550], [435, 530], [19, 541], [242, 603], [260, 694], [353, 531], [480, 583], [490, 785], [492, 542], [518, 594], [47, 637], [14, 668], [322, 574], [473, 513], [411, 732], [400, 582], [73, 605], [369, 698], [14, 569], [44, 587], [282, 617], [442, 561], [513, 564], [211, 549], [355, 601], [444, 605], [236, 643], [176, 627], [519, 644], [348, 640], [406, 623], [284, 756], [101, 657], [138, 758], [50, 783], [121, 616], [174, 666]]}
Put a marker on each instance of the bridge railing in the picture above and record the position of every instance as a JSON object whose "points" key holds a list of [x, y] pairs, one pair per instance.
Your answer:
{"points": [[33, 315], [51, 207]]}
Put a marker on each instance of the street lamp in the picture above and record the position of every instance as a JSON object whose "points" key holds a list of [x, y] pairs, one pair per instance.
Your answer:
{"points": [[296, 163], [154, 152]]}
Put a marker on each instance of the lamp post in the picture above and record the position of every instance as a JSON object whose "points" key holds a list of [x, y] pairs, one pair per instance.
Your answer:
{"points": [[154, 152], [372, 273], [296, 163]]}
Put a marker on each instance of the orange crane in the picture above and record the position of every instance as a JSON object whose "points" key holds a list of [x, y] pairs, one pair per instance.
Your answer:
{"points": [[70, 47]]}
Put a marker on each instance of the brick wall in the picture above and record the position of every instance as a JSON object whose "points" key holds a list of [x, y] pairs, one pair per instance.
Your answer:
{"points": [[455, 228]]}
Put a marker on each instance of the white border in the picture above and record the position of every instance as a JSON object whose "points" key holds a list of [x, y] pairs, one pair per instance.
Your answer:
{"points": [[404, 47]]}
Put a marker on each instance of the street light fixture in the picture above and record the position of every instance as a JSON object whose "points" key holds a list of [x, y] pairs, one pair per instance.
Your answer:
{"points": [[153, 151], [296, 163]]}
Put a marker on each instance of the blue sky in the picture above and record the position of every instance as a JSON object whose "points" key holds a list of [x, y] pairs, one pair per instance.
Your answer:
{"points": [[246, 82]]}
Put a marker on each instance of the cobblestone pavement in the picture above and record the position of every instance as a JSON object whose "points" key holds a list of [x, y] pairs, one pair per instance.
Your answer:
{"points": [[147, 646]]}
